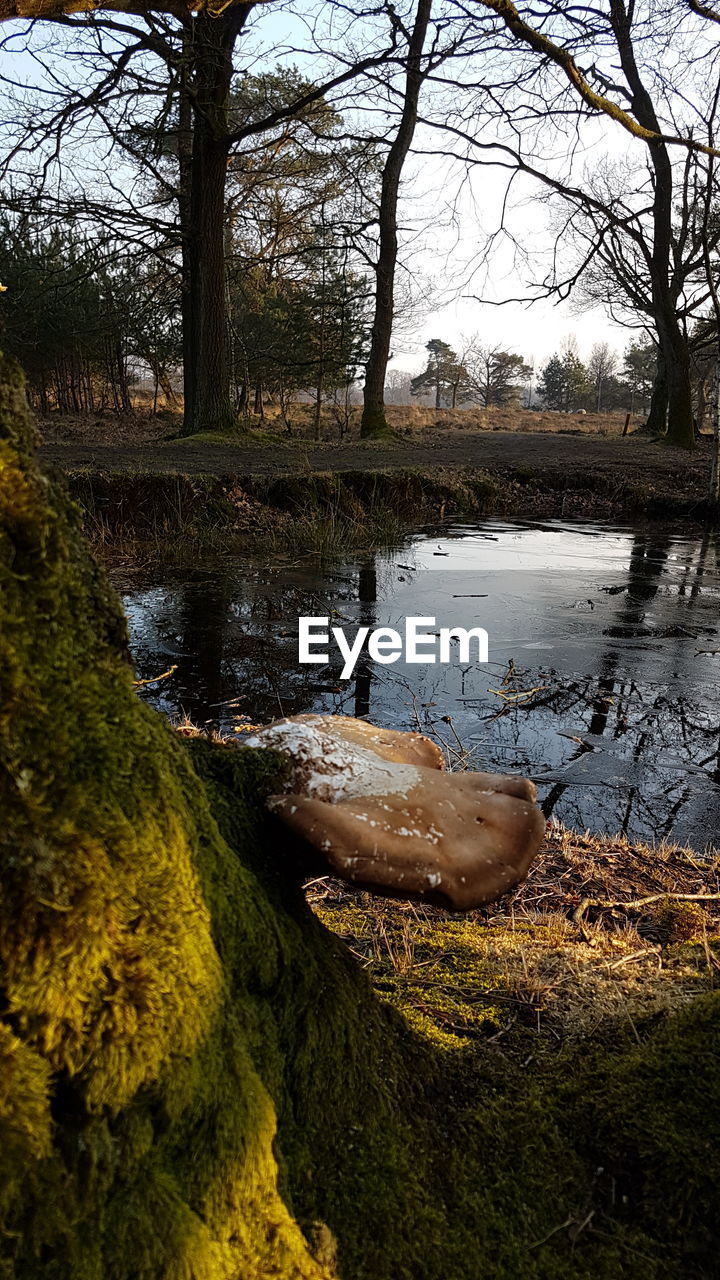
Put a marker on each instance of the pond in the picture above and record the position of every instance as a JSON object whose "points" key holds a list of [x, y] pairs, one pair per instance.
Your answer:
{"points": [[601, 684]]}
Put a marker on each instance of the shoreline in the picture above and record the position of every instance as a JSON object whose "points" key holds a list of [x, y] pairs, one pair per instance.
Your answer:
{"points": [[372, 493]]}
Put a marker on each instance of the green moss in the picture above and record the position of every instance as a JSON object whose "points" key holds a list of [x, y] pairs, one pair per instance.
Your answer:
{"points": [[591, 1108], [648, 1118], [198, 1081], [374, 425], [128, 1021], [676, 921]]}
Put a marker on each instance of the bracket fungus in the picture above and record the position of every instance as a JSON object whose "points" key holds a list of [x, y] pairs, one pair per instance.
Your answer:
{"points": [[379, 808]]}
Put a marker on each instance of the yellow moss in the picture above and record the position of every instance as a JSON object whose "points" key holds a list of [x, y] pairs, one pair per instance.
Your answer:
{"points": [[118, 1000], [24, 1096], [674, 921], [463, 980]]}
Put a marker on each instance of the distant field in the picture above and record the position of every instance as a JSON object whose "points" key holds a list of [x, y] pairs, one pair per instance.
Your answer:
{"points": [[511, 419], [143, 426]]}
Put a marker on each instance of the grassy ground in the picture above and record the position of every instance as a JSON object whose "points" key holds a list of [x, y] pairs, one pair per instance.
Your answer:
{"points": [[601, 939], [140, 478], [145, 427]]}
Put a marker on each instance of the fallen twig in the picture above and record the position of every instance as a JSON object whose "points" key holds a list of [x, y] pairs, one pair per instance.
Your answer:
{"points": [[633, 904], [138, 683], [515, 697]]}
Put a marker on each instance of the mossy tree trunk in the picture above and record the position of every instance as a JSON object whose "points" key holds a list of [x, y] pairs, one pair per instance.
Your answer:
{"points": [[178, 1032], [196, 1079]]}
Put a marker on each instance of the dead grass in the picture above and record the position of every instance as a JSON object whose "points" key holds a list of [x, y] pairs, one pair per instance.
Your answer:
{"points": [[534, 970], [417, 417], [110, 428], [144, 427]]}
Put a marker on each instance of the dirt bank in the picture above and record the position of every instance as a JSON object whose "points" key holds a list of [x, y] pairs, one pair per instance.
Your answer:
{"points": [[163, 488]]}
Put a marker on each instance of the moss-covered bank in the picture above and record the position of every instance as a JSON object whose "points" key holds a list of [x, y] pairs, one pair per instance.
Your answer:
{"points": [[319, 511], [198, 1082], [333, 510]]}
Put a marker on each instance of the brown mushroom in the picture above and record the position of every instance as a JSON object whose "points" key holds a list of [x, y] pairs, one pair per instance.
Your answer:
{"points": [[377, 806]]}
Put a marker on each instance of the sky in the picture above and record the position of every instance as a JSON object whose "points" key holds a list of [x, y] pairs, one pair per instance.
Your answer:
{"points": [[535, 332], [460, 294]]}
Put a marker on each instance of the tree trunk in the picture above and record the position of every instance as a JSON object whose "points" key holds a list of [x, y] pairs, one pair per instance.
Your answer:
{"points": [[656, 423], [163, 378], [701, 408], [680, 420], [715, 466], [258, 407], [373, 420], [210, 48], [185, 147], [680, 426], [320, 380], [317, 412]]}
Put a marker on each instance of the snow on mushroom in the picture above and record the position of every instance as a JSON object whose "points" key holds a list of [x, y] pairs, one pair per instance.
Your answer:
{"points": [[378, 807]]}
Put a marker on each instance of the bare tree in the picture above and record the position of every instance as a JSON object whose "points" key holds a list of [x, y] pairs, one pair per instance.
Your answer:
{"points": [[621, 59], [601, 367], [494, 376], [373, 421], [397, 387]]}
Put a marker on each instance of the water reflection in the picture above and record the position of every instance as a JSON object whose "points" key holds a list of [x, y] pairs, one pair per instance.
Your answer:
{"points": [[602, 683]]}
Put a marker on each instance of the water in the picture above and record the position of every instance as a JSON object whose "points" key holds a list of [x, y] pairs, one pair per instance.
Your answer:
{"points": [[601, 685]]}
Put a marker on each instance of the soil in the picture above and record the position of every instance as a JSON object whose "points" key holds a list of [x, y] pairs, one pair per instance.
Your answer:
{"points": [[633, 460]]}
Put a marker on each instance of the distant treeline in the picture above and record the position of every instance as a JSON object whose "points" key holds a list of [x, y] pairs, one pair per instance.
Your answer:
{"points": [[490, 376]]}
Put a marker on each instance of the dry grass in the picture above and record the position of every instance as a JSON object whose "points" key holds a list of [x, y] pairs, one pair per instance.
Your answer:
{"points": [[109, 428], [417, 417], [144, 427], [534, 969]]}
